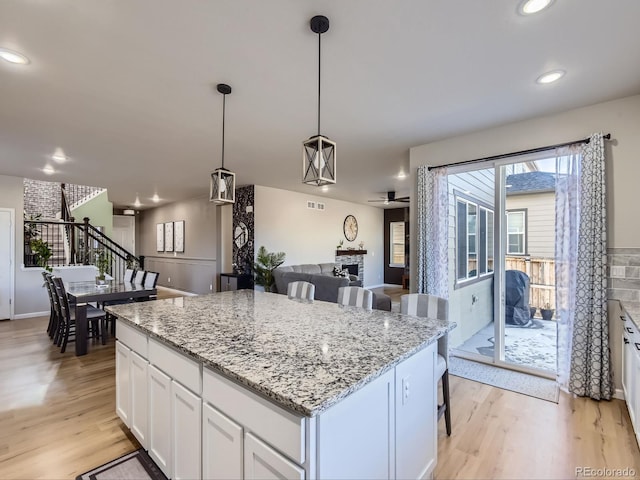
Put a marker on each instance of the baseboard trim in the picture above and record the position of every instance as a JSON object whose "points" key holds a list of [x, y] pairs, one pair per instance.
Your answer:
{"points": [[21, 316], [619, 394]]}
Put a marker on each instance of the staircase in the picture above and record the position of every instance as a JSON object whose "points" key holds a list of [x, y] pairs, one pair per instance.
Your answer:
{"points": [[67, 242]]}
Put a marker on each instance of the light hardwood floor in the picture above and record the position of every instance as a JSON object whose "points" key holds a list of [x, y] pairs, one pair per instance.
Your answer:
{"points": [[57, 420]]}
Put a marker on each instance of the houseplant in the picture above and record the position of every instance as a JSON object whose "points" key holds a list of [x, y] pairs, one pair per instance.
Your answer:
{"points": [[42, 253], [532, 311], [546, 312], [102, 262], [266, 262]]}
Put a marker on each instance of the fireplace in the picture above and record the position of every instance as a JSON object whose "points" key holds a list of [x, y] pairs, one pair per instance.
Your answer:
{"points": [[352, 268]]}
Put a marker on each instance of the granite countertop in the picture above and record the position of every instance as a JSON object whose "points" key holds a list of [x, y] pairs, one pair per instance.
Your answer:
{"points": [[632, 309], [304, 356]]}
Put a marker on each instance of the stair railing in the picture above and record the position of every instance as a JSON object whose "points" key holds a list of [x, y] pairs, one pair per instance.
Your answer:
{"points": [[85, 241]]}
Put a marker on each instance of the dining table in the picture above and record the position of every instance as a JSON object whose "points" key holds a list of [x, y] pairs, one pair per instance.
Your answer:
{"points": [[83, 293]]}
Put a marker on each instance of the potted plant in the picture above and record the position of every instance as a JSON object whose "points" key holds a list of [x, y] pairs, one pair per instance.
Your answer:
{"points": [[42, 253], [532, 311], [102, 262], [546, 312], [31, 232], [339, 246], [266, 262]]}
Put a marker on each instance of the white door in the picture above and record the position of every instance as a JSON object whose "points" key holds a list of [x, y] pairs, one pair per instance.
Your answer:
{"points": [[187, 408], [124, 232], [6, 263], [221, 446], [139, 389], [160, 415]]}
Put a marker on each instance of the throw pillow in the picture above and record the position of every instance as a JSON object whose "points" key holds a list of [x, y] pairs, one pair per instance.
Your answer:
{"points": [[339, 272]]}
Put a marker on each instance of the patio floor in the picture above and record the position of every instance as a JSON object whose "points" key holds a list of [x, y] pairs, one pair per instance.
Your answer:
{"points": [[532, 346]]}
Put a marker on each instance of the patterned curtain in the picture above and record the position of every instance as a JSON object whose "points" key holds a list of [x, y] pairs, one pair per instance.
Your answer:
{"points": [[581, 242], [433, 229]]}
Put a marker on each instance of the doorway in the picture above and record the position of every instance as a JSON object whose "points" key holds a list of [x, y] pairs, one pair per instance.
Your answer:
{"points": [[7, 255], [503, 242], [124, 232]]}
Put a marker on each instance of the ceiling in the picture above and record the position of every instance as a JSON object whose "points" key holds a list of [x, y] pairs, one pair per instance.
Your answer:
{"points": [[127, 88]]}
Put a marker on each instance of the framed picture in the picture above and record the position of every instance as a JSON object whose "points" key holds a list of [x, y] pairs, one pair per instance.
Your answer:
{"points": [[160, 237], [168, 237], [178, 236]]}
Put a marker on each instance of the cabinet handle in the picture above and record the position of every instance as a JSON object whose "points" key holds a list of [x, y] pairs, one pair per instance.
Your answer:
{"points": [[628, 329], [625, 340], [623, 318], [637, 345]]}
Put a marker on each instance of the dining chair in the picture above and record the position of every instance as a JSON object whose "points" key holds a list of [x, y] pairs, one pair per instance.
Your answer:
{"points": [[301, 290], [128, 275], [68, 318], [50, 326], [150, 279], [139, 277], [355, 297], [431, 306]]}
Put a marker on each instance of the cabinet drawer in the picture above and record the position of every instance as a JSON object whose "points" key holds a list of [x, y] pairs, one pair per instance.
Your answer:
{"points": [[176, 365], [132, 338], [282, 429]]}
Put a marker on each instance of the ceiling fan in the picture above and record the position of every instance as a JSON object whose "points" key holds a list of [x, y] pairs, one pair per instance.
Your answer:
{"points": [[391, 197]]}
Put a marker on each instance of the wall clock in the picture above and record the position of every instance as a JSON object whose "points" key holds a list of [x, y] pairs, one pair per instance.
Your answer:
{"points": [[350, 228]]}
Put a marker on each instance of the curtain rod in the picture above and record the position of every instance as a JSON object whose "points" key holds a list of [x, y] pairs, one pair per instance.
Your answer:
{"points": [[521, 152]]}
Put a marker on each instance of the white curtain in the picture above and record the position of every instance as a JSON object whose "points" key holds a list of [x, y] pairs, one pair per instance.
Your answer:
{"points": [[432, 232], [584, 366]]}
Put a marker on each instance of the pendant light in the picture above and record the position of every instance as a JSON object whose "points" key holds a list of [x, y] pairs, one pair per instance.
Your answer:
{"points": [[223, 182], [318, 152]]}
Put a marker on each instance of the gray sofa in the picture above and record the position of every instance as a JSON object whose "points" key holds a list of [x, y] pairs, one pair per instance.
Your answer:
{"points": [[327, 285]]}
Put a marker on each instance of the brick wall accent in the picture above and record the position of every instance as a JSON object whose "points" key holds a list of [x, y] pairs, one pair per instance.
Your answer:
{"points": [[41, 197]]}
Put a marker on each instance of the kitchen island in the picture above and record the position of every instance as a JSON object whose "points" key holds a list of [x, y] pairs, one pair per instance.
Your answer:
{"points": [[249, 384]]}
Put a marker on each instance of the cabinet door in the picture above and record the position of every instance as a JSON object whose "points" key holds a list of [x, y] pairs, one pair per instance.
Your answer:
{"points": [[634, 383], [187, 423], [160, 415], [221, 446], [263, 462], [139, 395], [123, 383]]}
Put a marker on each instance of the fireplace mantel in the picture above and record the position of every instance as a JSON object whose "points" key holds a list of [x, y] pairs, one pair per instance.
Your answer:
{"points": [[341, 253]]}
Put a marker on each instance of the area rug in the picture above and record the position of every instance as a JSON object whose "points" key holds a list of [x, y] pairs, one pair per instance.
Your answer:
{"points": [[132, 466], [526, 384]]}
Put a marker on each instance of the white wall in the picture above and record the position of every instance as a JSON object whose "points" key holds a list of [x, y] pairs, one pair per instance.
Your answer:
{"points": [[30, 296], [619, 117], [284, 223]]}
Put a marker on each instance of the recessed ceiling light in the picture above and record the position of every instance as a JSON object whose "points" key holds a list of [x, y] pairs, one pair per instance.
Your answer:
{"points": [[48, 169], [13, 57], [550, 77], [401, 175], [325, 188], [156, 198], [137, 203], [59, 156], [529, 7]]}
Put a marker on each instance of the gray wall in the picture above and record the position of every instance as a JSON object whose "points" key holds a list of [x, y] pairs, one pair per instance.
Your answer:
{"points": [[195, 270]]}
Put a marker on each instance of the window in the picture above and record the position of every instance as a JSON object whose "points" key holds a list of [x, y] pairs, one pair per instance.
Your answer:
{"points": [[474, 239], [396, 246], [516, 232]]}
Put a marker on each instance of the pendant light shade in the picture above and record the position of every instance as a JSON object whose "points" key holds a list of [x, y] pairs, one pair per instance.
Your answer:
{"points": [[318, 152], [222, 189]]}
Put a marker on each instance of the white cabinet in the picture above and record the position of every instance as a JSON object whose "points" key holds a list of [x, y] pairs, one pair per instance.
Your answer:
{"points": [[123, 383], [160, 416], [186, 408], [263, 462], [139, 393], [222, 446], [631, 372]]}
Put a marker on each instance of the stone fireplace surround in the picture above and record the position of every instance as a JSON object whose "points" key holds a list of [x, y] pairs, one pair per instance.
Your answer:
{"points": [[352, 257]]}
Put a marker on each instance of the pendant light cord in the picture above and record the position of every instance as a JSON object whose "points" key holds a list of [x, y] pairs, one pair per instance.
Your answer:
{"points": [[224, 105], [319, 66]]}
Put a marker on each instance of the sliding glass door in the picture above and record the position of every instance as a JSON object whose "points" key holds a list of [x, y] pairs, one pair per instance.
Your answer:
{"points": [[503, 288]]}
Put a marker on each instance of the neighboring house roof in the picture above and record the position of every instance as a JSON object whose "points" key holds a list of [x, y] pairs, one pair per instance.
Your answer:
{"points": [[531, 182]]}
